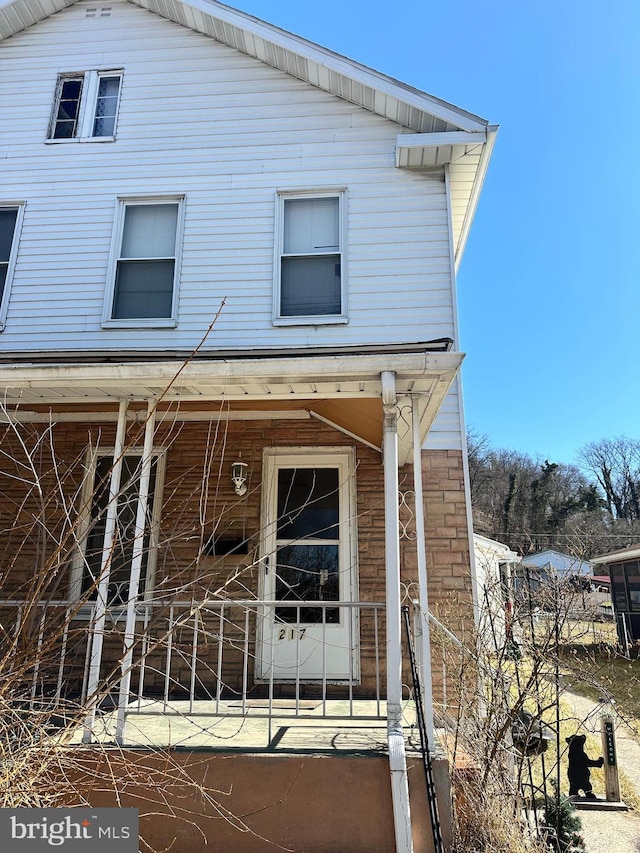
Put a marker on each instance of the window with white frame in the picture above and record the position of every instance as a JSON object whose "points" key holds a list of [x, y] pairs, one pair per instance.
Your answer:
{"points": [[310, 264], [10, 220], [86, 106], [145, 262], [88, 565]]}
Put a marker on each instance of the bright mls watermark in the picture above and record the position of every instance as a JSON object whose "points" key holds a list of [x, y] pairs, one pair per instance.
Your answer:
{"points": [[37, 830]]}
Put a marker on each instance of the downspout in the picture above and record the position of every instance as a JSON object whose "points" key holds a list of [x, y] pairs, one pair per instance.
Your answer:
{"points": [[425, 645], [97, 635], [395, 736], [136, 570]]}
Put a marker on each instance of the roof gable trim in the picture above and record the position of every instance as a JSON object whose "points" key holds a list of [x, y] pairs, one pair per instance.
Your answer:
{"points": [[257, 35]]}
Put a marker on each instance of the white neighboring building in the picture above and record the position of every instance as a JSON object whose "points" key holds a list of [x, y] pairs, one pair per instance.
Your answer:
{"points": [[494, 576], [545, 565]]}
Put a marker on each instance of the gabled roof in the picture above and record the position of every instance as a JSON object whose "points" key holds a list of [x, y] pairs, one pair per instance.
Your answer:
{"points": [[559, 561], [441, 132]]}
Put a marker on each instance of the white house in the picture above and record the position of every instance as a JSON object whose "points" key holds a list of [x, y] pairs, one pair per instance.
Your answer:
{"points": [[494, 565], [548, 565], [228, 340]]}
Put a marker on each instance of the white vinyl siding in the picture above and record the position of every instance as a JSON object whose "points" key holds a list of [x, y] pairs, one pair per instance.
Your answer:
{"points": [[229, 133], [10, 222], [144, 276], [85, 106], [310, 270], [445, 433]]}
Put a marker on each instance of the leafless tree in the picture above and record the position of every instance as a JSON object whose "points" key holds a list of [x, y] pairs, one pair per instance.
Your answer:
{"points": [[615, 463]]}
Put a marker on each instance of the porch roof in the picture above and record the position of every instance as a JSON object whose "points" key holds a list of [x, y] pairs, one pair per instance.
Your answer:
{"points": [[341, 389]]}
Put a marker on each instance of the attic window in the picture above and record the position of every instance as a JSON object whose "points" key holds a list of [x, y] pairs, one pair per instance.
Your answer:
{"points": [[86, 106], [95, 12]]}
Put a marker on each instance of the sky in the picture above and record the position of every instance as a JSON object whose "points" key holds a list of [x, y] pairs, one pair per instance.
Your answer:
{"points": [[549, 286]]}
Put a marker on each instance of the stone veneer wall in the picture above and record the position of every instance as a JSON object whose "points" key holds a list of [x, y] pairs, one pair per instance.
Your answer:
{"points": [[198, 494], [448, 565]]}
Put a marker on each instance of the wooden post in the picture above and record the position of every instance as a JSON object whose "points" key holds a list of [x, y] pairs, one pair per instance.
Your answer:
{"points": [[612, 783]]}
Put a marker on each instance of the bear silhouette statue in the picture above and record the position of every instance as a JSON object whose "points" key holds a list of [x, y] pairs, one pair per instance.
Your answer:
{"points": [[579, 764]]}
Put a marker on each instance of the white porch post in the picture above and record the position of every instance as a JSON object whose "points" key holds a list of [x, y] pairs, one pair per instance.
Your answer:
{"points": [[397, 758], [136, 569], [425, 647], [96, 637]]}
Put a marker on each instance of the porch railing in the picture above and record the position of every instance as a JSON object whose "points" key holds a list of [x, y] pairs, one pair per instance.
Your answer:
{"points": [[213, 658], [217, 656]]}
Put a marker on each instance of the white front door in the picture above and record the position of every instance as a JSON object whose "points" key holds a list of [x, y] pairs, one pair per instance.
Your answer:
{"points": [[308, 561]]}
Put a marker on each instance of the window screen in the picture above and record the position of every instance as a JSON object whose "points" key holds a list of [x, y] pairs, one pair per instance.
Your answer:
{"points": [[310, 274], [106, 106], [146, 267]]}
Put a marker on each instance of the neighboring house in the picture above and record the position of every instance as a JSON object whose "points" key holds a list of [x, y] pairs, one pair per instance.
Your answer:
{"points": [[536, 570], [494, 564], [624, 576], [228, 341]]}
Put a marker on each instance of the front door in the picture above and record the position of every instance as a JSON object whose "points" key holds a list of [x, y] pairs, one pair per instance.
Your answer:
{"points": [[308, 563]]}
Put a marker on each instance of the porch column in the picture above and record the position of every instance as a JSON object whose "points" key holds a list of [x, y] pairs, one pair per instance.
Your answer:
{"points": [[425, 644], [136, 569], [397, 758], [96, 637]]}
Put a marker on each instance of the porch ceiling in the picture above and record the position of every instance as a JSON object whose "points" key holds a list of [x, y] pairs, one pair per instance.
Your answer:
{"points": [[342, 390]]}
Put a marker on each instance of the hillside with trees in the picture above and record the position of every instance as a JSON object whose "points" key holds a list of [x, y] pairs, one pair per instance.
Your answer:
{"points": [[584, 510]]}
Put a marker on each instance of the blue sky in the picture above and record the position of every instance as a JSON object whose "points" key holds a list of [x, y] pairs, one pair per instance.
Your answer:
{"points": [[549, 288]]}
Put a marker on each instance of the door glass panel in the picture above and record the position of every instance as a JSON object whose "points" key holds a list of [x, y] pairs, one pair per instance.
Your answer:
{"points": [[307, 573], [308, 503]]}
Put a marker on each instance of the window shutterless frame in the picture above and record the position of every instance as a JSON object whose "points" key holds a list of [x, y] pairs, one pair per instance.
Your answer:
{"points": [[144, 264], [310, 260], [10, 226], [85, 107]]}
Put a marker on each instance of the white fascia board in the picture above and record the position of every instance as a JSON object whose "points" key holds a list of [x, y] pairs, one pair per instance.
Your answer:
{"points": [[231, 372], [492, 132], [340, 64], [617, 556], [437, 140]]}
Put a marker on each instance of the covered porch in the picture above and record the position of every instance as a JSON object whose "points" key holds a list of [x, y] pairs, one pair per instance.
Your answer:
{"points": [[218, 611]]}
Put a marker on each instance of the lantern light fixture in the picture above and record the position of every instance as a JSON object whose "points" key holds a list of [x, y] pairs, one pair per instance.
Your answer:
{"points": [[239, 477]]}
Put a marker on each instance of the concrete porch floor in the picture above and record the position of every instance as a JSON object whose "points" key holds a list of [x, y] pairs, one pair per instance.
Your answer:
{"points": [[314, 726]]}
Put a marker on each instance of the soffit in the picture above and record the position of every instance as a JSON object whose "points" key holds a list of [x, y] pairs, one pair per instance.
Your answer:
{"points": [[342, 391], [20, 14]]}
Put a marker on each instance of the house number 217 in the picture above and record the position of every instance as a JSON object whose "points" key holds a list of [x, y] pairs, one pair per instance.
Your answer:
{"points": [[291, 633]]}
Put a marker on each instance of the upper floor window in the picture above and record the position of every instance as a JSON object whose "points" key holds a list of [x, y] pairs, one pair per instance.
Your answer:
{"points": [[143, 279], [86, 106], [10, 219], [310, 263]]}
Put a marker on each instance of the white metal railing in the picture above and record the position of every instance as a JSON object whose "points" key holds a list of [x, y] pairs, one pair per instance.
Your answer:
{"points": [[203, 658], [209, 658], [40, 660]]}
